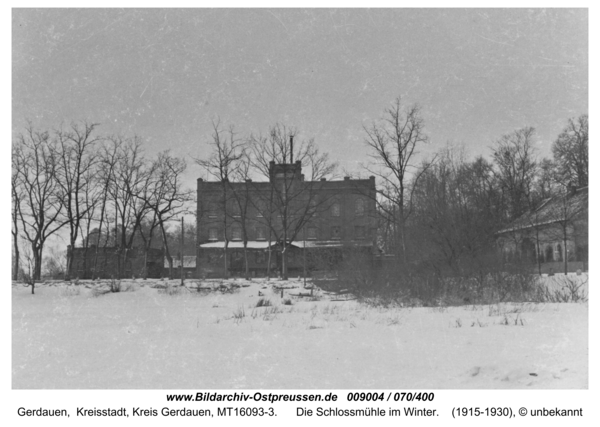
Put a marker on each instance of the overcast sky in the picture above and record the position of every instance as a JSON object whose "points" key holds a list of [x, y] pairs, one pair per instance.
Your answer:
{"points": [[164, 74]]}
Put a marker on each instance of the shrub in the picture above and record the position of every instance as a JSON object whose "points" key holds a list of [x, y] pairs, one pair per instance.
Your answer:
{"points": [[115, 285], [99, 291], [171, 290], [239, 314], [263, 302], [129, 287], [70, 291]]}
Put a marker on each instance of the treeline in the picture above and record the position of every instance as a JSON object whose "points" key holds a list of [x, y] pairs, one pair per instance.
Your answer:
{"points": [[441, 216], [101, 190]]}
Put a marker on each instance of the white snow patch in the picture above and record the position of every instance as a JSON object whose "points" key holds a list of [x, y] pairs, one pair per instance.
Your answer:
{"points": [[170, 337]]}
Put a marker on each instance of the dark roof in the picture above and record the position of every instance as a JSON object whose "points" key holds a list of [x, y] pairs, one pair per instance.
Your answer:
{"points": [[552, 210]]}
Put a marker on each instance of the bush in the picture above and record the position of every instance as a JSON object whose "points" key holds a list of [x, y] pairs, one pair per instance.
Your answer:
{"points": [[263, 302], [239, 314], [115, 285], [70, 291], [171, 290], [415, 286]]}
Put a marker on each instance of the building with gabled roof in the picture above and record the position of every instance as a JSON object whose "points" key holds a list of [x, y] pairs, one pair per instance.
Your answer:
{"points": [[553, 237]]}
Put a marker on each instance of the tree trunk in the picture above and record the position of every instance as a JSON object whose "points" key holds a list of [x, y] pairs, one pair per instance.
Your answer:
{"points": [[225, 267], [565, 252], [70, 258], [284, 266], [537, 254], [247, 268], [37, 264], [269, 258], [166, 247], [145, 268], [15, 273], [85, 269]]}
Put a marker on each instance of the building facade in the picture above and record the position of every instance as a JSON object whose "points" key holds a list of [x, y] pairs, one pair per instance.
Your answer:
{"points": [[104, 262], [286, 224], [553, 237]]}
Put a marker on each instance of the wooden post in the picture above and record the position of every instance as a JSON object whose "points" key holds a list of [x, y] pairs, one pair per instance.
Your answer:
{"points": [[304, 255], [181, 251]]}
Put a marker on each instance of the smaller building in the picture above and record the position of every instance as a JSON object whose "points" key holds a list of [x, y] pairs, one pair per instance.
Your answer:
{"points": [[189, 266], [553, 237], [103, 262]]}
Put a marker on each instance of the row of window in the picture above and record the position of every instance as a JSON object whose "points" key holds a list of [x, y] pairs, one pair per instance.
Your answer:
{"points": [[360, 207], [555, 253], [551, 252], [261, 258], [312, 233]]}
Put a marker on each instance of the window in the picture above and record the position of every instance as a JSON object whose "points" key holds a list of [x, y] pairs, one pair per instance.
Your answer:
{"points": [[313, 208], [213, 259], [359, 207], [336, 232], [213, 234], [359, 232], [311, 233], [261, 209], [211, 207], [558, 255], [236, 232], [335, 209], [260, 233], [260, 257]]}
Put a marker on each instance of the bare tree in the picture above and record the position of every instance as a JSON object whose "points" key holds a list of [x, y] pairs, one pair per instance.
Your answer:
{"points": [[456, 217], [571, 207], [16, 197], [514, 155], [546, 180], [393, 142], [571, 152], [291, 201], [166, 198], [129, 180], [108, 158], [40, 210], [227, 150], [242, 197], [91, 199], [76, 159]]}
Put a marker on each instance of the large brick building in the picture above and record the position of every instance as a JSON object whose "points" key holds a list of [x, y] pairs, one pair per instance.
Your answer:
{"points": [[284, 224]]}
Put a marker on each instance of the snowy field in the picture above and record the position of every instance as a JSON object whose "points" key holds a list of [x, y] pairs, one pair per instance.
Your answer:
{"points": [[76, 337]]}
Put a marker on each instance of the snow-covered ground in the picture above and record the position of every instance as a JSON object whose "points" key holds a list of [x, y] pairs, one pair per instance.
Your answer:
{"points": [[72, 337]]}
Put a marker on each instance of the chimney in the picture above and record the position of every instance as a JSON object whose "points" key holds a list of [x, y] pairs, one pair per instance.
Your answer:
{"points": [[291, 148], [346, 178], [323, 179]]}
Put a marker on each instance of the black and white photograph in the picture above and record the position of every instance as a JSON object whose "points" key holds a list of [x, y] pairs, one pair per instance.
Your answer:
{"points": [[299, 199]]}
